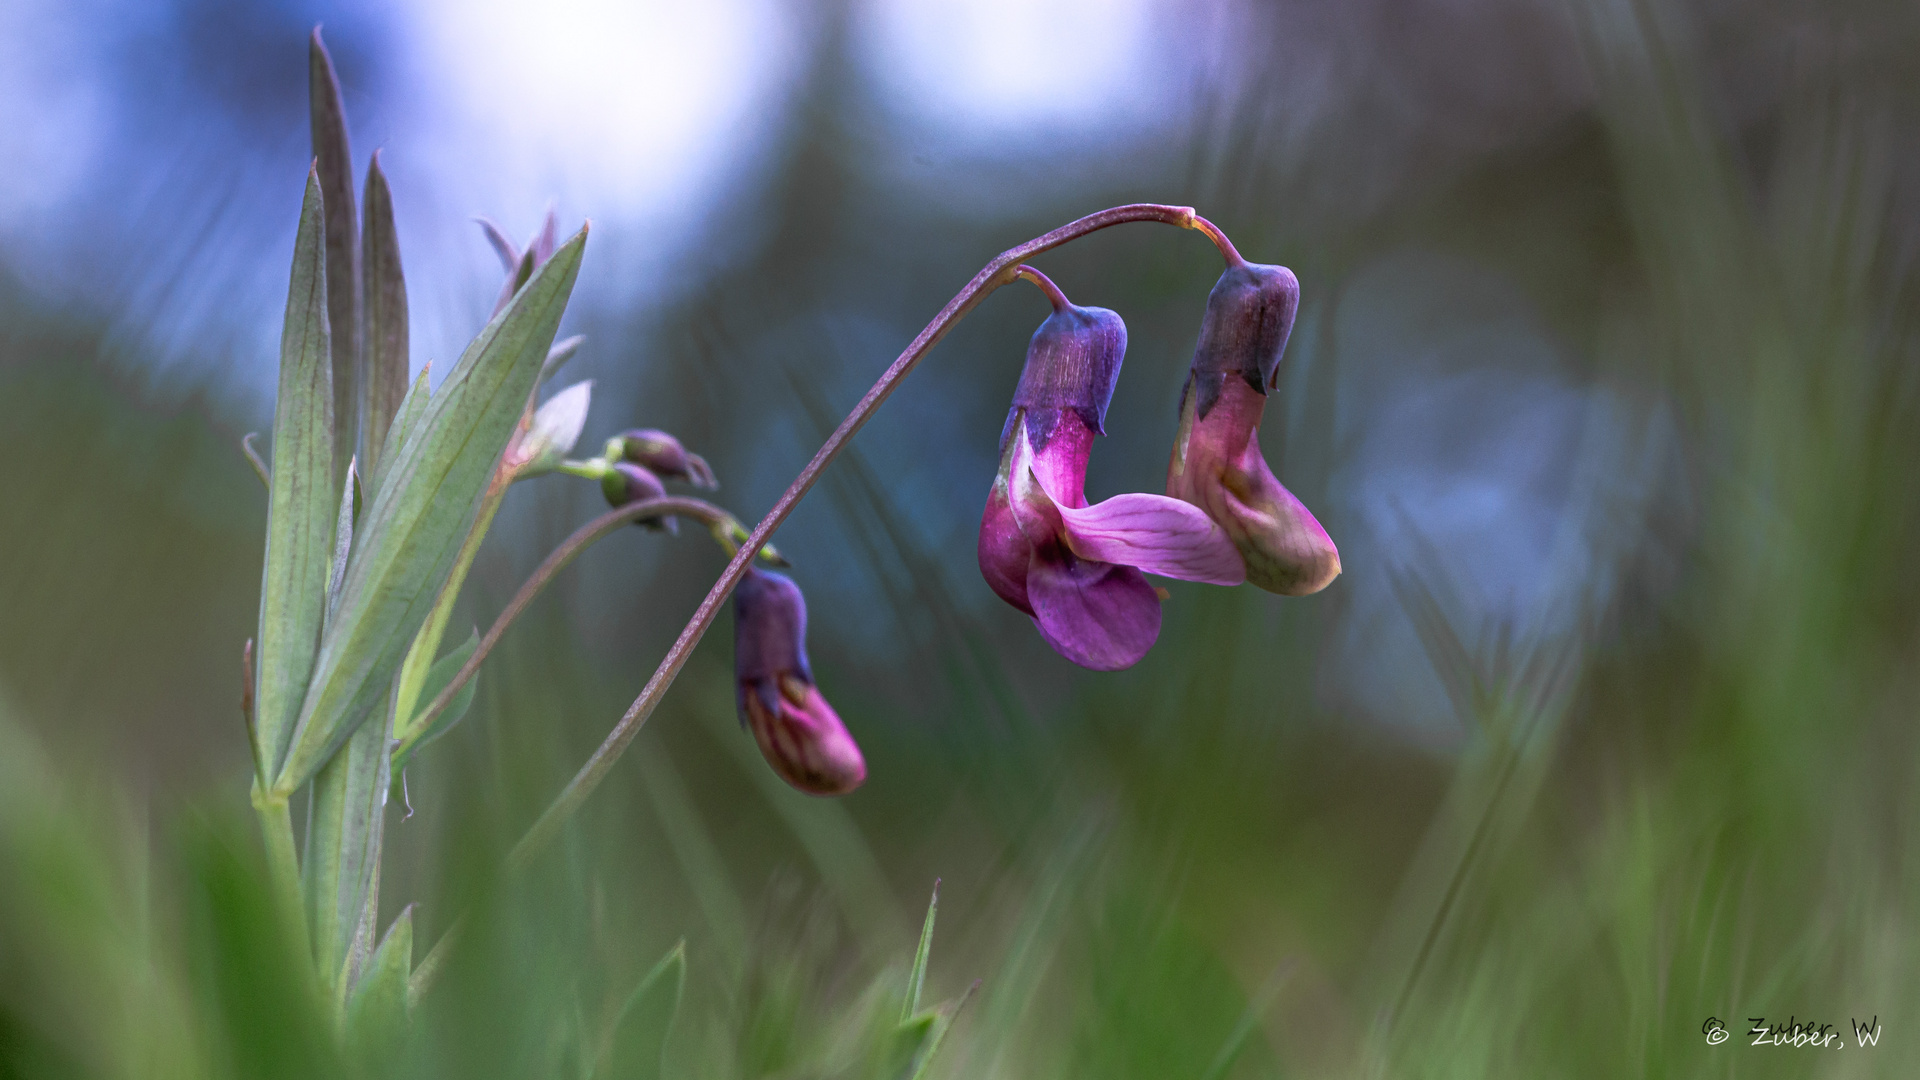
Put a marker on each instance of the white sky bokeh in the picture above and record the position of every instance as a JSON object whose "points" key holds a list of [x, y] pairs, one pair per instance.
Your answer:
{"points": [[1000, 67], [641, 116], [621, 109]]}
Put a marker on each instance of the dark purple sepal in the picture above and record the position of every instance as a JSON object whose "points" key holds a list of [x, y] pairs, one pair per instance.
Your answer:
{"points": [[1072, 363], [769, 628], [1249, 316]]}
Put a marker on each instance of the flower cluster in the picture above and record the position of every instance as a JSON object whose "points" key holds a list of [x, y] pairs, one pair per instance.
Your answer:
{"points": [[1077, 569]]}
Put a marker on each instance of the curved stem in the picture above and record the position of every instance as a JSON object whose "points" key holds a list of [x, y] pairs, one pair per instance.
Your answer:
{"points": [[253, 458], [1227, 250], [995, 274], [716, 519], [1054, 295]]}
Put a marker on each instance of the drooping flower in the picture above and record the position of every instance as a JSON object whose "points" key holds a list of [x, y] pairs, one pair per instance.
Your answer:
{"points": [[798, 732], [1217, 465], [1077, 569], [625, 483], [666, 457]]}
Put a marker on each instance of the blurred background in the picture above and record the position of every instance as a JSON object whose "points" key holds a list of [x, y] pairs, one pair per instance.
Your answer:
{"points": [[1603, 381]]}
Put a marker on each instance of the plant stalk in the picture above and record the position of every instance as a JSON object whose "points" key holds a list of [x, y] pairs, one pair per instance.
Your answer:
{"points": [[283, 861]]}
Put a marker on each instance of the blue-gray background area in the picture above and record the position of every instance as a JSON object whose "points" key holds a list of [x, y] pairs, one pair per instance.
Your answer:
{"points": [[782, 195]]}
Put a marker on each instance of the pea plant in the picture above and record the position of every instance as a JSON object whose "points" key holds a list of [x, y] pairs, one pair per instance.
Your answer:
{"points": [[381, 490]]}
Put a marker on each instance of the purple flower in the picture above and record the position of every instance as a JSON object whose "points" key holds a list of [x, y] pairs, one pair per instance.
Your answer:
{"points": [[664, 456], [1216, 464], [1077, 569], [798, 732]]}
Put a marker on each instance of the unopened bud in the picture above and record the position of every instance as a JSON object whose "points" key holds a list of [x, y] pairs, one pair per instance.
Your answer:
{"points": [[666, 457], [626, 483], [797, 731], [552, 433]]}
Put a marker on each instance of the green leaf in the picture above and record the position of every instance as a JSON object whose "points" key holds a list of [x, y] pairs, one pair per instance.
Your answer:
{"points": [[300, 502], [902, 1047], [385, 304], [334, 165], [438, 676], [418, 519], [405, 422], [640, 1035], [342, 544], [917, 978], [377, 1010], [344, 835], [937, 1023], [934, 1024]]}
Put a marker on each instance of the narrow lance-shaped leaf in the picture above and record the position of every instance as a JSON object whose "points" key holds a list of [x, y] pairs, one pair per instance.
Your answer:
{"points": [[385, 346], [640, 1035], [377, 1010], [342, 543], [405, 422], [917, 978], [300, 503], [416, 523], [438, 676], [335, 164], [506, 249], [344, 834]]}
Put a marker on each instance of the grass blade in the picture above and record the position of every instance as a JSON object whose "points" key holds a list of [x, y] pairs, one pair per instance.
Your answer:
{"points": [[640, 1035], [417, 521], [300, 501], [917, 978]]}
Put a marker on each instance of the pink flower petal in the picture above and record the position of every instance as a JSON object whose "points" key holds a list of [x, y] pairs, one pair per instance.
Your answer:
{"points": [[1156, 534], [1003, 551], [1098, 615]]}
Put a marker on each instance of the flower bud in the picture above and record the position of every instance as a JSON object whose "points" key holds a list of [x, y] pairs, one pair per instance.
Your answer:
{"points": [[630, 483], [666, 457], [798, 732], [551, 433]]}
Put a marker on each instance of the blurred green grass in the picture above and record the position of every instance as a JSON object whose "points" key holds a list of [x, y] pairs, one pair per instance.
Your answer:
{"points": [[1700, 802]]}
